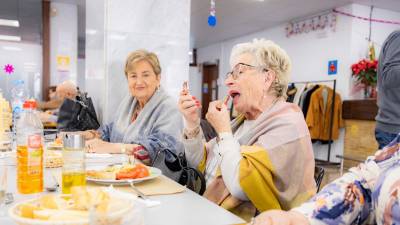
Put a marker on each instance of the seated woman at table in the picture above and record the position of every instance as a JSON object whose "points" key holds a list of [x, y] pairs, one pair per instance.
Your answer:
{"points": [[146, 120], [263, 159], [367, 194]]}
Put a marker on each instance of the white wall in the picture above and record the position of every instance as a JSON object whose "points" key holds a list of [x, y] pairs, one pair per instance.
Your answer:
{"points": [[195, 78], [80, 79], [63, 40], [27, 62], [156, 25], [95, 68], [311, 52]]}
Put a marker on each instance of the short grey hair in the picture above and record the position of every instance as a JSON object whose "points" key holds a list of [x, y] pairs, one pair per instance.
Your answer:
{"points": [[269, 55]]}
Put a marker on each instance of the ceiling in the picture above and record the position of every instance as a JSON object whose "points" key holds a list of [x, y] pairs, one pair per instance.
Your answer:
{"points": [[29, 15], [240, 17], [235, 17]]}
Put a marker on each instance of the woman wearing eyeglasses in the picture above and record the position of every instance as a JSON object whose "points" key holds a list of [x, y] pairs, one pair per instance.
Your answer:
{"points": [[263, 159]]}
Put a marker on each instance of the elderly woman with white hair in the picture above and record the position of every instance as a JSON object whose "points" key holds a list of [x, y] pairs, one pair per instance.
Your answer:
{"points": [[263, 159]]}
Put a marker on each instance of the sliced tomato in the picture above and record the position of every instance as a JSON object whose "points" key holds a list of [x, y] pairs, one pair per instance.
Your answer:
{"points": [[143, 172], [131, 174], [139, 171]]}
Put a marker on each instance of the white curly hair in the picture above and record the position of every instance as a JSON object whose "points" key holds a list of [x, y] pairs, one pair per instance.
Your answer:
{"points": [[269, 55]]}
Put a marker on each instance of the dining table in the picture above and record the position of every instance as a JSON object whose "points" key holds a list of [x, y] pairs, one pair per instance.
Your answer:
{"points": [[183, 208]]}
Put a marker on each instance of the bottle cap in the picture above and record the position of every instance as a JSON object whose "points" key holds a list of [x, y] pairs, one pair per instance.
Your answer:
{"points": [[29, 104]]}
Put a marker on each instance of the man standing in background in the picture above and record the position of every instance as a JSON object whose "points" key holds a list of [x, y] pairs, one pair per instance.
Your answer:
{"points": [[388, 118]]}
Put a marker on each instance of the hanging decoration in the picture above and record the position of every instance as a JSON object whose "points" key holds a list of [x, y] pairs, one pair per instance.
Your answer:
{"points": [[320, 22], [9, 68], [371, 47], [365, 70], [212, 19], [367, 19]]}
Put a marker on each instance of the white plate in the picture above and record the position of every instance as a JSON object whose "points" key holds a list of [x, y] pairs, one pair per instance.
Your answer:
{"points": [[132, 208], [52, 146], [98, 155], [154, 173]]}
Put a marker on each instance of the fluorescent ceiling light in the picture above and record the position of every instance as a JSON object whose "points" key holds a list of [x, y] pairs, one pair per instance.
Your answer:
{"points": [[10, 38], [190, 53], [11, 48], [30, 64], [91, 31], [117, 37], [10, 23]]}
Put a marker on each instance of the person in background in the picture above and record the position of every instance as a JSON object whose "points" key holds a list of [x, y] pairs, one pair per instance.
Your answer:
{"points": [[263, 159], [146, 121], [367, 194], [388, 118], [66, 89], [54, 100]]}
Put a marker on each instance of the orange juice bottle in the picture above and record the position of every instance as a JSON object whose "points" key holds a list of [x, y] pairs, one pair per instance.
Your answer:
{"points": [[29, 150]]}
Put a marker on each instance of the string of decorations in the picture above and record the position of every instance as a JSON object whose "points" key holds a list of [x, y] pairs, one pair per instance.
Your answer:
{"points": [[321, 22], [212, 19], [366, 18]]}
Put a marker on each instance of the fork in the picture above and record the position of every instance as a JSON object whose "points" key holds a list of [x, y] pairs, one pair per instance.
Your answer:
{"points": [[140, 194]]}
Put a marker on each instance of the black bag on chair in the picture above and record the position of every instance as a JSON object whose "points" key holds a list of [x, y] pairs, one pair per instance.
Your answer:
{"points": [[77, 115], [175, 167]]}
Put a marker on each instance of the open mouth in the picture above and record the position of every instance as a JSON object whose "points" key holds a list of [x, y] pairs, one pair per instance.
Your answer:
{"points": [[235, 96]]}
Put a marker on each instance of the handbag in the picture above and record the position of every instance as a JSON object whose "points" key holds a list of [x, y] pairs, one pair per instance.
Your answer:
{"points": [[77, 114], [176, 168]]}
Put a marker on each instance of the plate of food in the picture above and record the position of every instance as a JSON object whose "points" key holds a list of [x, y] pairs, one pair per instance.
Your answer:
{"points": [[83, 206], [121, 174]]}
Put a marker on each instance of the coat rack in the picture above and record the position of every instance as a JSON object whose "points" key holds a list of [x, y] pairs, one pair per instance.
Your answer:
{"points": [[332, 110]]}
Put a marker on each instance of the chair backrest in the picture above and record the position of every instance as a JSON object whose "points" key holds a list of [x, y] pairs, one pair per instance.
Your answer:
{"points": [[318, 176], [176, 168]]}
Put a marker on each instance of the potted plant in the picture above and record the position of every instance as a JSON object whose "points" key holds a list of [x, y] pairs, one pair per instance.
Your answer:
{"points": [[365, 72]]}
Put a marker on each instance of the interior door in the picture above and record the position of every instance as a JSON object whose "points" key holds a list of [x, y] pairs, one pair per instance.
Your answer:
{"points": [[209, 87]]}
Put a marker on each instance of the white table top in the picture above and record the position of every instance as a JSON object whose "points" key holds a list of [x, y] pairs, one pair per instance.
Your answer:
{"points": [[182, 208]]}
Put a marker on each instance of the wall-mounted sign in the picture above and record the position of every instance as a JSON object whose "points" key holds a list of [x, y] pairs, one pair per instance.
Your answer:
{"points": [[63, 62], [332, 67]]}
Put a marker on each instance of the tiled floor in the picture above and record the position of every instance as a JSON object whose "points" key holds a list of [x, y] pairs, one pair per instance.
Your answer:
{"points": [[331, 173]]}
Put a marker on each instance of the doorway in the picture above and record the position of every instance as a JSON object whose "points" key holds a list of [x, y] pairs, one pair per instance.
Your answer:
{"points": [[209, 87]]}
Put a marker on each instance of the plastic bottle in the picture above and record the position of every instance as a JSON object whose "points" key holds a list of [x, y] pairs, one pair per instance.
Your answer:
{"points": [[18, 97], [29, 150]]}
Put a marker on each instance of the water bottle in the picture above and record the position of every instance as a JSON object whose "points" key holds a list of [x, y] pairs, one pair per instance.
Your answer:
{"points": [[29, 150], [18, 97]]}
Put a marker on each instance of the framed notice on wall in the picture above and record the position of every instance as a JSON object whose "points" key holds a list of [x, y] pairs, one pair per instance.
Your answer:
{"points": [[63, 63]]}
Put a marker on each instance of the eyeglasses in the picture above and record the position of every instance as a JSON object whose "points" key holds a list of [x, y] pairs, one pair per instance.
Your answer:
{"points": [[240, 68]]}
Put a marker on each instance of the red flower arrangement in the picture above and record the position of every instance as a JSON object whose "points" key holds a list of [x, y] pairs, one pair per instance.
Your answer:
{"points": [[365, 72]]}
